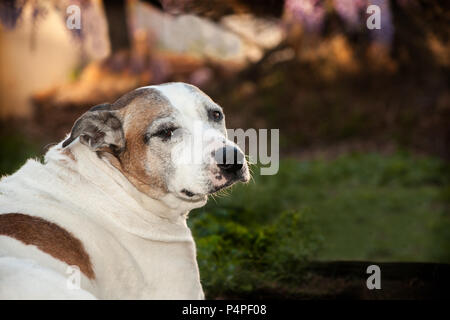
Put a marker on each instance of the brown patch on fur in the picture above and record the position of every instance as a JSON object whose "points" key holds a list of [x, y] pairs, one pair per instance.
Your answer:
{"points": [[134, 112], [48, 237], [138, 110], [68, 153]]}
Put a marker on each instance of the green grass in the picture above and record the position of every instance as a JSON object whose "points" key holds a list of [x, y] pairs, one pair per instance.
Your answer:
{"points": [[365, 206], [14, 151]]}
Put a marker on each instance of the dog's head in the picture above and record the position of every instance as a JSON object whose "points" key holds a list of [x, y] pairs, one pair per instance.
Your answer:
{"points": [[166, 139]]}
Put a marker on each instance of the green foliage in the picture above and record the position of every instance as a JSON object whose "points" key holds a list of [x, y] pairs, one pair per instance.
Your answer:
{"points": [[14, 151], [356, 207], [240, 258]]}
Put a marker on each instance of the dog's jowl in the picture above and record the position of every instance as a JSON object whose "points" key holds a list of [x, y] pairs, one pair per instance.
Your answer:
{"points": [[112, 200]]}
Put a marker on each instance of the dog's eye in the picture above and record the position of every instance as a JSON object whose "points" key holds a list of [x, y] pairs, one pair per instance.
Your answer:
{"points": [[215, 115], [165, 134]]}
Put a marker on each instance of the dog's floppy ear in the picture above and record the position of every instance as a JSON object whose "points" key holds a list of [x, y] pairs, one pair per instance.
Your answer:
{"points": [[99, 129]]}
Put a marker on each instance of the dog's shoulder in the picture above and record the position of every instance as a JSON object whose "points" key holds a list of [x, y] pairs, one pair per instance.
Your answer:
{"points": [[47, 237]]}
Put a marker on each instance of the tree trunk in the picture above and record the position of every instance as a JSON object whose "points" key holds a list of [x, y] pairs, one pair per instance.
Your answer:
{"points": [[116, 15]]}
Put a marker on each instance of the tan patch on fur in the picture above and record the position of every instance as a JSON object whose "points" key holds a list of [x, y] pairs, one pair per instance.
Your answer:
{"points": [[48, 237], [136, 117], [68, 153]]}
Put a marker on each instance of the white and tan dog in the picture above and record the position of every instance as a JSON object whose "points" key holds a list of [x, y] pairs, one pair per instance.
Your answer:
{"points": [[113, 198]]}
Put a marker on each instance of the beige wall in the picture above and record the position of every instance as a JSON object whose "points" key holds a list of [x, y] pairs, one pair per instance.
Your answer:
{"points": [[24, 70]]}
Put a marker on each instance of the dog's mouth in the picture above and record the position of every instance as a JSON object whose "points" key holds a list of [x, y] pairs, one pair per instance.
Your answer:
{"points": [[218, 183], [215, 189], [190, 196], [193, 197]]}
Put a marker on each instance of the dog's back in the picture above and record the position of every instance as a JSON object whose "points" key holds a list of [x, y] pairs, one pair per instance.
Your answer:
{"points": [[25, 279], [57, 227], [35, 250]]}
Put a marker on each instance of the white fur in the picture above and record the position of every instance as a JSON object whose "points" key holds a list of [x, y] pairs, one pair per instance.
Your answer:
{"points": [[198, 138], [24, 278], [140, 247]]}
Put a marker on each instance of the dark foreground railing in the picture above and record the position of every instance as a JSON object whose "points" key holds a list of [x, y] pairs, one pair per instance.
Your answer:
{"points": [[348, 280]]}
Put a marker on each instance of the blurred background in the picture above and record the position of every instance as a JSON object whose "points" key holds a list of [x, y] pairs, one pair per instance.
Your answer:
{"points": [[363, 118]]}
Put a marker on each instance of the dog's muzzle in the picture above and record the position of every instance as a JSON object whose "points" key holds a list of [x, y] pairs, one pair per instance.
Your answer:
{"points": [[230, 161], [229, 167]]}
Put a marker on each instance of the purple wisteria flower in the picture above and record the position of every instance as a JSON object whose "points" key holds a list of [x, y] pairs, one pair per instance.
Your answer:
{"points": [[310, 13]]}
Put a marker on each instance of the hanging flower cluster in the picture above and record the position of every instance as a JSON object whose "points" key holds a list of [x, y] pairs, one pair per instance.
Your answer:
{"points": [[311, 14]]}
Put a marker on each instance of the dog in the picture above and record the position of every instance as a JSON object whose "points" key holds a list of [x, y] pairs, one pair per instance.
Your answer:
{"points": [[104, 216]]}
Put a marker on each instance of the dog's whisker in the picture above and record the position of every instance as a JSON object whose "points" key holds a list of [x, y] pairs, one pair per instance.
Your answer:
{"points": [[214, 198], [249, 161]]}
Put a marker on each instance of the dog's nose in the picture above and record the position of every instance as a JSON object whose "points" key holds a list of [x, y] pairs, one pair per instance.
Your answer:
{"points": [[229, 159]]}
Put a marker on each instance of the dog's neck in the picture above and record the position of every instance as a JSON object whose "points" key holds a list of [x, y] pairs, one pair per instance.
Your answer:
{"points": [[133, 210]]}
